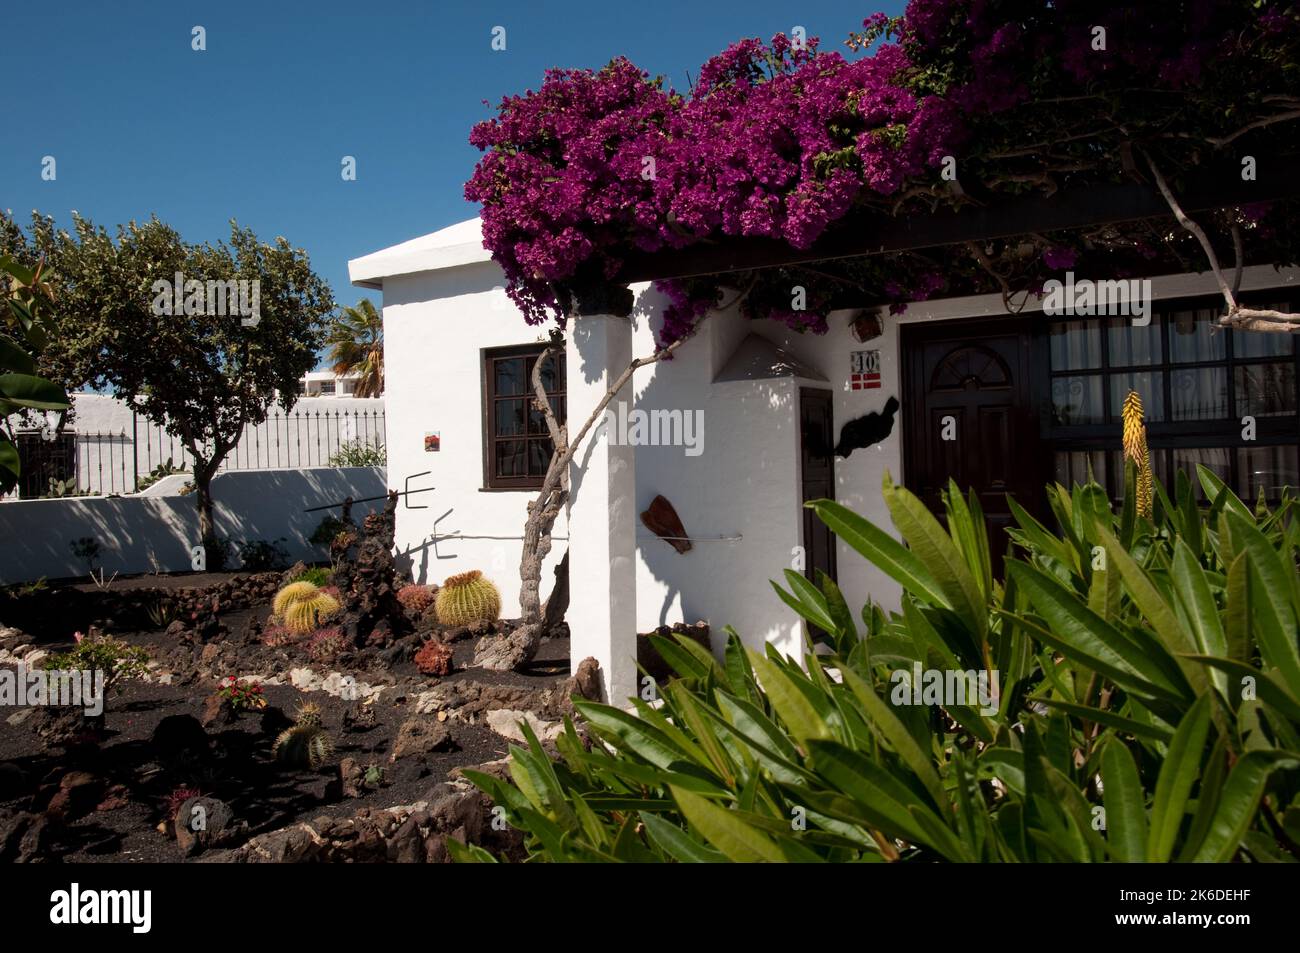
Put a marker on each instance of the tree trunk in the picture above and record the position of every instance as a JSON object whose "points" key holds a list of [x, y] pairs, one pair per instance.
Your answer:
{"points": [[520, 645], [214, 555], [543, 511]]}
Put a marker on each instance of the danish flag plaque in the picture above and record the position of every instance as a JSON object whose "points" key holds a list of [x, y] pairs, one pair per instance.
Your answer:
{"points": [[864, 370]]}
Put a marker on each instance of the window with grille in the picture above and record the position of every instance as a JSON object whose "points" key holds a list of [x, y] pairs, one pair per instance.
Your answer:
{"points": [[517, 444], [1197, 381]]}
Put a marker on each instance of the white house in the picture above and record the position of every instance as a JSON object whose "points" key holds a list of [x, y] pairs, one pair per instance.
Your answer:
{"points": [[1001, 403], [329, 384]]}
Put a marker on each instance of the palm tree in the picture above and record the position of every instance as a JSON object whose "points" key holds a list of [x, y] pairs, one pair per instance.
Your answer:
{"points": [[356, 345]]}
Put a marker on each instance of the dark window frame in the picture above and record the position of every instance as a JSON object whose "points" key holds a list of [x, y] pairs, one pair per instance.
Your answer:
{"points": [[490, 398], [1166, 436]]}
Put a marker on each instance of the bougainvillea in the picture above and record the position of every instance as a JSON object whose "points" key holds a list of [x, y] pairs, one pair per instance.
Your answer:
{"points": [[956, 103]]}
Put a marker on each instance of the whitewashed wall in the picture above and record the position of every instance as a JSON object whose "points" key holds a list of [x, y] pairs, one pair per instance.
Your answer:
{"points": [[435, 328], [148, 533], [745, 483]]}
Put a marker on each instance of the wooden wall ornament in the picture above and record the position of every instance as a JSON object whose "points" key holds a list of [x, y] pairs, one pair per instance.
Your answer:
{"points": [[866, 326], [662, 520]]}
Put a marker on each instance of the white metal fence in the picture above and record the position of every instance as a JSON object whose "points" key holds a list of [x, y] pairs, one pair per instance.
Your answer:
{"points": [[118, 460]]}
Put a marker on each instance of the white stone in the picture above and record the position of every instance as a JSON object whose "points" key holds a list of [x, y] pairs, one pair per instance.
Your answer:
{"points": [[505, 722]]}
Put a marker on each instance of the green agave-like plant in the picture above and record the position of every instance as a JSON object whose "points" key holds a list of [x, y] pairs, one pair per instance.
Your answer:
{"points": [[1149, 704], [23, 294]]}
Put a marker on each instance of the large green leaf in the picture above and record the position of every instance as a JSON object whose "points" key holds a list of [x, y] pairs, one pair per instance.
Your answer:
{"points": [[1271, 601], [737, 840], [966, 522], [1042, 540], [1084, 635], [1111, 720], [876, 798], [881, 550], [1196, 600], [678, 658], [14, 358], [678, 844], [1237, 804], [27, 390], [882, 719], [791, 705], [1126, 818], [1158, 612], [630, 733], [806, 601], [936, 550], [1179, 772], [1217, 492], [1268, 688]]}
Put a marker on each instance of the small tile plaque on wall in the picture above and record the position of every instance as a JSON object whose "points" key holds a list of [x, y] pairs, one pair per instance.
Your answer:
{"points": [[864, 369], [433, 442]]}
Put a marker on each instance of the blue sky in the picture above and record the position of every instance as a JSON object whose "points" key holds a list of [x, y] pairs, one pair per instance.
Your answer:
{"points": [[256, 126]]}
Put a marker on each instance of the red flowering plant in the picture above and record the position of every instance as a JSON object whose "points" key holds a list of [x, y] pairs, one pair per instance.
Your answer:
{"points": [[176, 800], [957, 103], [240, 694]]}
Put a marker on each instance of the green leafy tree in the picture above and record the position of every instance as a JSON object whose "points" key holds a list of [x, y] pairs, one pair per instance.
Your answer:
{"points": [[356, 344], [186, 362]]}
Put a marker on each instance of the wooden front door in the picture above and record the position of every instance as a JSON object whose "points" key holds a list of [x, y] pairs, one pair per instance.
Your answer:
{"points": [[816, 477], [969, 415]]}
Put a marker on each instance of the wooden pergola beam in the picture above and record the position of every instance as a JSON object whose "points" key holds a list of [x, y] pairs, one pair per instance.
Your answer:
{"points": [[881, 234]]}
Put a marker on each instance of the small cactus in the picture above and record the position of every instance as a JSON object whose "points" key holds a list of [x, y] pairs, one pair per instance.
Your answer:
{"points": [[302, 606], [276, 636], [416, 598], [326, 644], [468, 598], [308, 713], [304, 746]]}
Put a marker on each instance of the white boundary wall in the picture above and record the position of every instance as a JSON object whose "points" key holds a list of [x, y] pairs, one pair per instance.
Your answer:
{"points": [[156, 533]]}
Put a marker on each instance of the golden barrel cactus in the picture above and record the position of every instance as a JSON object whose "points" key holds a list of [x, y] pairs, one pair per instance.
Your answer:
{"points": [[292, 593], [1135, 449], [302, 606], [466, 599], [305, 745]]}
